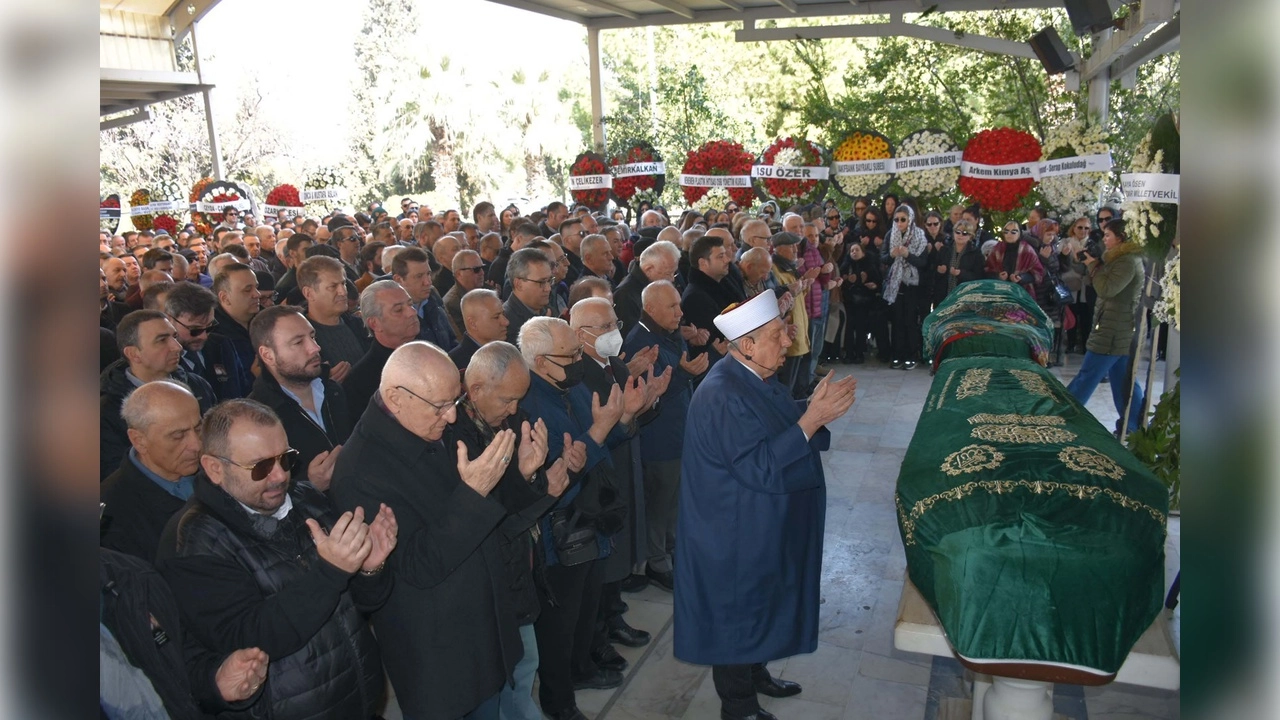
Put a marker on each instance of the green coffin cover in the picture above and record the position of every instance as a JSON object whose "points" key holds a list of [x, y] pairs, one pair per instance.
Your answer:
{"points": [[1033, 534]]}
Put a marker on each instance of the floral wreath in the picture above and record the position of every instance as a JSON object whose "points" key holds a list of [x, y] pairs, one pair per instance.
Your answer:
{"points": [[1000, 146], [139, 199], [220, 193], [1168, 309], [793, 152], [323, 178], [109, 213], [863, 145], [1153, 225], [285, 196], [719, 157], [935, 181], [199, 219], [1077, 194], [590, 163], [625, 188]]}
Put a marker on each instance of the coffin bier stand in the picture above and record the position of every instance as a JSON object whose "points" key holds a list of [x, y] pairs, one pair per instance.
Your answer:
{"points": [[1024, 691]]}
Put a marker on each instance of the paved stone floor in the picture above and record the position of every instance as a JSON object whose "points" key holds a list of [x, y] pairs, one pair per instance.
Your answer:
{"points": [[856, 672]]}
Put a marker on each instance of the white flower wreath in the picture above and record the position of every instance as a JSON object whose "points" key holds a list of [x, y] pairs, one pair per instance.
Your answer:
{"points": [[1141, 219], [928, 183], [1075, 195], [1168, 309]]}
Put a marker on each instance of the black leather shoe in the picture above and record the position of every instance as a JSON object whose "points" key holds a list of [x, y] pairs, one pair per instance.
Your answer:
{"points": [[624, 634], [609, 659], [761, 714], [773, 687], [633, 583], [604, 679], [665, 580], [572, 713]]}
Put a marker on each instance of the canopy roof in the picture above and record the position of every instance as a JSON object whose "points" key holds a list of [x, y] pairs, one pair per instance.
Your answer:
{"points": [[606, 14], [137, 56]]}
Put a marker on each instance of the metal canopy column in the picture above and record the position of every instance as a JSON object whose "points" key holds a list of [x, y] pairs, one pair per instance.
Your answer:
{"points": [[597, 90], [215, 150], [1100, 85]]}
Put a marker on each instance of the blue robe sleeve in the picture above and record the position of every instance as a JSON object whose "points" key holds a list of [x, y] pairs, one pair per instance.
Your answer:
{"points": [[763, 461]]}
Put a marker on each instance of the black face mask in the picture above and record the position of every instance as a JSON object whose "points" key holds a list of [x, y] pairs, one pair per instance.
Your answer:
{"points": [[573, 373]]}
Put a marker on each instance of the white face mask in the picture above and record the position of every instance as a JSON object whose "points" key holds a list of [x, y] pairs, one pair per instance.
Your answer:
{"points": [[609, 344]]}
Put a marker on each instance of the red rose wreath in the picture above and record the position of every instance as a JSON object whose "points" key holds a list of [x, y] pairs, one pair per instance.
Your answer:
{"points": [[589, 163], [285, 196], [624, 188], [795, 152], [1001, 146], [719, 157], [203, 226], [109, 213]]}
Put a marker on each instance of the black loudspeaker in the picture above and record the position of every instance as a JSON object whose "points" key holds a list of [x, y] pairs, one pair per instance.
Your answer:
{"points": [[1088, 16], [1049, 47]]}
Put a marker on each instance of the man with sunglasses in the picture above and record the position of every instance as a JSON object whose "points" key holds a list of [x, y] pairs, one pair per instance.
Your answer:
{"points": [[211, 355], [468, 274], [296, 386], [257, 561]]}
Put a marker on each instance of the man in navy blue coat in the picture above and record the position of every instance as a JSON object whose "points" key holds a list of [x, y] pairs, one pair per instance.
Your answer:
{"points": [[752, 511]]}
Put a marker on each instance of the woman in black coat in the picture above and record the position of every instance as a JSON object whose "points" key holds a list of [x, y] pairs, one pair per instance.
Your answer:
{"points": [[957, 263], [864, 309], [932, 291]]}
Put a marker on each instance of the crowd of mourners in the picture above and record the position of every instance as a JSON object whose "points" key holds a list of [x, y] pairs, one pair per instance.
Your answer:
{"points": [[439, 449]]}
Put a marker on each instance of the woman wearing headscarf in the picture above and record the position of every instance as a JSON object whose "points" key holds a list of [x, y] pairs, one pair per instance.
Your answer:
{"points": [[1015, 259], [907, 256], [769, 212]]}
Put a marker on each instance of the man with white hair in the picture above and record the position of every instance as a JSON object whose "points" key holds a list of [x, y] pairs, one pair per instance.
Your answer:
{"points": [[662, 439], [496, 380], [449, 631], [597, 328], [652, 218], [575, 534], [658, 262], [597, 257], [387, 311], [158, 475], [752, 511]]}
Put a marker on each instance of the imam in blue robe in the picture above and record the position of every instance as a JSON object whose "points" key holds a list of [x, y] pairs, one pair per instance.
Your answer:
{"points": [[753, 503]]}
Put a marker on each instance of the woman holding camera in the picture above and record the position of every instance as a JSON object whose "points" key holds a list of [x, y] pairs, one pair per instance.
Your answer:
{"points": [[1117, 278], [1076, 276]]}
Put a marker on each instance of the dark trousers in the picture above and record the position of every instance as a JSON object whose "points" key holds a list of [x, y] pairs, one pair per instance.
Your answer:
{"points": [[607, 615], [566, 631], [906, 330], [661, 501], [865, 316], [736, 686]]}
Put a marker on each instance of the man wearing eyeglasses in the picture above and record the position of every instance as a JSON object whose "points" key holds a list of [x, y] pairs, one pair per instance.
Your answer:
{"points": [[574, 536], [449, 631], [531, 280], [211, 355], [257, 561], [571, 233], [311, 406]]}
